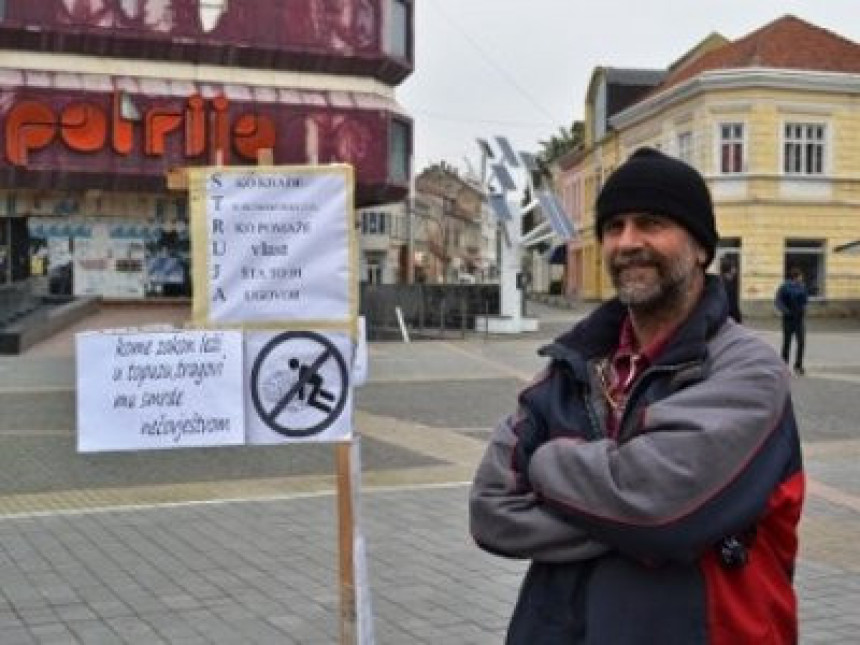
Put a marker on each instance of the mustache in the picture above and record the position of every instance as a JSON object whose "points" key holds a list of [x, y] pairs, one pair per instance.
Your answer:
{"points": [[639, 257]]}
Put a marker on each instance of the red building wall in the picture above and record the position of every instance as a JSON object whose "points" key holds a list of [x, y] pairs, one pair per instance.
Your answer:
{"points": [[80, 140], [330, 36]]}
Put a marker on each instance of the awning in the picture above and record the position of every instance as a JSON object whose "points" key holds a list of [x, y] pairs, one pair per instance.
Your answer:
{"points": [[558, 255]]}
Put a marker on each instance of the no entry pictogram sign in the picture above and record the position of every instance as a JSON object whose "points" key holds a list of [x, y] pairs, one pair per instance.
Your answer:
{"points": [[299, 384]]}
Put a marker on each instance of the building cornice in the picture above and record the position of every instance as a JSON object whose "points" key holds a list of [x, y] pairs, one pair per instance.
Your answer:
{"points": [[735, 79], [19, 66]]}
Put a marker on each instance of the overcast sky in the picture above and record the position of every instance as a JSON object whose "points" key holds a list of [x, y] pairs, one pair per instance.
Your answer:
{"points": [[520, 68]]}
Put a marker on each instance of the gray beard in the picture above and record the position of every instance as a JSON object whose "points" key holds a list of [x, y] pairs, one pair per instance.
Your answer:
{"points": [[673, 282]]}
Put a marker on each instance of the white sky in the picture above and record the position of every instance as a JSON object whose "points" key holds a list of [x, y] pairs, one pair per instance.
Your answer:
{"points": [[520, 68]]}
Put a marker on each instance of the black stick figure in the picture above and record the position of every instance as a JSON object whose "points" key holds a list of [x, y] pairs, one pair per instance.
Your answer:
{"points": [[316, 383]]}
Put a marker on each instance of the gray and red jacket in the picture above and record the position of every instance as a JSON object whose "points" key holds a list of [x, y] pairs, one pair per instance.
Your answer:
{"points": [[684, 529]]}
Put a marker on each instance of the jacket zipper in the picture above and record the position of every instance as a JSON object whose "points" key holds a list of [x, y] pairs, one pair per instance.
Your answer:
{"points": [[587, 393], [646, 375]]}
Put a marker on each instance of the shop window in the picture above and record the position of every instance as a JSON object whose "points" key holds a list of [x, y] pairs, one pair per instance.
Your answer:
{"points": [[19, 249], [808, 256]]}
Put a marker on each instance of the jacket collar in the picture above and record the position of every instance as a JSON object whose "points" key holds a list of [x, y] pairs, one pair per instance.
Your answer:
{"points": [[597, 335]]}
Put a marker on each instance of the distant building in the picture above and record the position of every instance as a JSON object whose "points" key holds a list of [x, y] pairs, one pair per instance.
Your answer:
{"points": [[446, 224], [451, 236], [384, 243], [770, 120]]}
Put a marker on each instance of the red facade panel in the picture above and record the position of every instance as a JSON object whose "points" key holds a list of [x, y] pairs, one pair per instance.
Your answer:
{"points": [[325, 36], [130, 140]]}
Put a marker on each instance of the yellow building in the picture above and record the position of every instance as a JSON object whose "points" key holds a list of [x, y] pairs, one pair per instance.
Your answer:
{"points": [[772, 120]]}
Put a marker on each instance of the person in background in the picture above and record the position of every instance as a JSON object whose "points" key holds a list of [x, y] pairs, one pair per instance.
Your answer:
{"points": [[729, 276], [791, 300], [652, 472]]}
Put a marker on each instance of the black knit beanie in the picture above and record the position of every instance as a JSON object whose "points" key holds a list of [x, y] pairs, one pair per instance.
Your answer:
{"points": [[652, 182]]}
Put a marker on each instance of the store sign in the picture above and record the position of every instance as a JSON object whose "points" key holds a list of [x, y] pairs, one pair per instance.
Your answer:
{"points": [[84, 126]]}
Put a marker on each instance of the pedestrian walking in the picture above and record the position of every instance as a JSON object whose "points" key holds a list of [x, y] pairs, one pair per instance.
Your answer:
{"points": [[791, 300], [652, 472], [729, 276]]}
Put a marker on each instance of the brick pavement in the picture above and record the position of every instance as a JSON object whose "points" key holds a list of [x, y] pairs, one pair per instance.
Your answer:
{"points": [[248, 572], [262, 568], [265, 572]]}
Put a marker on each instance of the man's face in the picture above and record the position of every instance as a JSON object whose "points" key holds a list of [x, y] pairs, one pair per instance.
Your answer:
{"points": [[653, 262]]}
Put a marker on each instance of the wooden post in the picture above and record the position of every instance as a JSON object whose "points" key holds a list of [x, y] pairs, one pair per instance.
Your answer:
{"points": [[177, 179], [346, 532], [265, 157]]}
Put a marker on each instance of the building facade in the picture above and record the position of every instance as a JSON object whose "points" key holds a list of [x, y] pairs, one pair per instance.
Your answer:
{"points": [[384, 243], [444, 234], [101, 100], [771, 122], [450, 230]]}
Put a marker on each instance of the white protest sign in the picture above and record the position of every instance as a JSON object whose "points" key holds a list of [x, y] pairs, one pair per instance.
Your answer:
{"points": [[139, 391], [299, 387], [279, 245]]}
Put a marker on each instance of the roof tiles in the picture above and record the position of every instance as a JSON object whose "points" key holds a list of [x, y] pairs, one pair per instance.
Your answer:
{"points": [[785, 43]]}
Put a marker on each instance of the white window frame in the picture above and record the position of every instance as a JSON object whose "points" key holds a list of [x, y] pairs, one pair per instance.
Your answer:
{"points": [[802, 160], [734, 139], [685, 146]]}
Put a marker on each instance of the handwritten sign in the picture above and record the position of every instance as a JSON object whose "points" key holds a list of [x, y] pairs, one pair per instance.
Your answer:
{"points": [[159, 390], [278, 245]]}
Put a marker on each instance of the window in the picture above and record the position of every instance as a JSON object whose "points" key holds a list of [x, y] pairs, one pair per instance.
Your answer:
{"points": [[731, 148], [374, 273], [375, 222], [399, 151], [685, 147], [400, 29], [803, 152], [808, 256], [728, 252]]}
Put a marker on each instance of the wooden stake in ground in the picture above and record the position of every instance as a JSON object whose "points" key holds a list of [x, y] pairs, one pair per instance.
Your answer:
{"points": [[346, 532]]}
